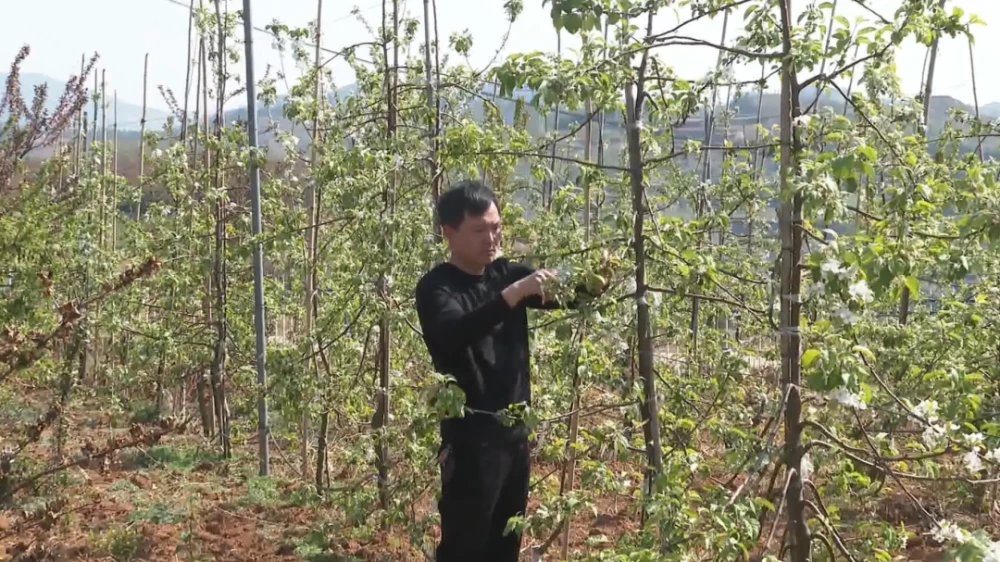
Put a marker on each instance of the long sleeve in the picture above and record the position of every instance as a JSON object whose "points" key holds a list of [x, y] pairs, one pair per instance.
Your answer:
{"points": [[447, 327], [518, 271]]}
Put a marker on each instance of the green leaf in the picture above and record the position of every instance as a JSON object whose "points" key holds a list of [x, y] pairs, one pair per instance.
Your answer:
{"points": [[843, 167], [864, 351], [810, 357], [913, 284], [571, 22]]}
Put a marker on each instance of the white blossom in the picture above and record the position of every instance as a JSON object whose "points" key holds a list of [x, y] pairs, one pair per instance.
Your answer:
{"points": [[992, 553], [157, 153], [831, 267], [928, 410], [947, 532], [972, 462], [933, 436], [807, 466], [817, 288], [847, 398], [630, 285], [849, 272], [861, 291], [974, 440], [846, 315], [693, 459], [994, 455]]}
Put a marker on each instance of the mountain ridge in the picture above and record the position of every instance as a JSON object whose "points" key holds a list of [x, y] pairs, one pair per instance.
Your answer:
{"points": [[740, 124], [129, 114]]}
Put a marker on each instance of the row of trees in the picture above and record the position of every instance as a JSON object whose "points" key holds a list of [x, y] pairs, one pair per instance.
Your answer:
{"points": [[866, 217]]}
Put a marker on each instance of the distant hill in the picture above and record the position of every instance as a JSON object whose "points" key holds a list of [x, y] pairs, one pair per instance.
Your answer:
{"points": [[740, 126], [990, 110], [129, 114]]}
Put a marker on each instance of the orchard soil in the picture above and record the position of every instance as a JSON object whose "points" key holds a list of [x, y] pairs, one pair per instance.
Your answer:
{"points": [[177, 501]]}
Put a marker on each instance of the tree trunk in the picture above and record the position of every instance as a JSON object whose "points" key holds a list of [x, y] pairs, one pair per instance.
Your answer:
{"points": [[322, 474], [381, 419], [219, 270], [790, 228], [649, 408], [569, 469], [309, 275]]}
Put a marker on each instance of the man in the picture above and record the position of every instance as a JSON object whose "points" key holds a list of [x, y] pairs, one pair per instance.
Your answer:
{"points": [[473, 315]]}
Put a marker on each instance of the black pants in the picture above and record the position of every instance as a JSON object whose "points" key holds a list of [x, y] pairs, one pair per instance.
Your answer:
{"points": [[483, 484]]}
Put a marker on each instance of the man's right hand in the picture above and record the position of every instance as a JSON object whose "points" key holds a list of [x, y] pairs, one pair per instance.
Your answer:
{"points": [[529, 286]]}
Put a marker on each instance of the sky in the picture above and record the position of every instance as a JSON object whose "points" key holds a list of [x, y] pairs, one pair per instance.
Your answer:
{"points": [[124, 31]]}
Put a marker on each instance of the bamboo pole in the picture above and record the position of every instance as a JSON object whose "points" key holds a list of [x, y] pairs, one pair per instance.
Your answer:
{"points": [[904, 301], [81, 132], [114, 186], [975, 97], [432, 125], [104, 155], [187, 74], [97, 97], [547, 200], [142, 137], [258, 252]]}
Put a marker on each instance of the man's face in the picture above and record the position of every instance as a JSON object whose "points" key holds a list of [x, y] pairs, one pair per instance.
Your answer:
{"points": [[477, 239]]}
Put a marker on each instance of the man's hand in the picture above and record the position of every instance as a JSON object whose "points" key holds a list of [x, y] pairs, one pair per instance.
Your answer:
{"points": [[532, 285]]}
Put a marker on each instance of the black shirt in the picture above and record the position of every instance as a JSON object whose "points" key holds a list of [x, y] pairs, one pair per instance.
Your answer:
{"points": [[473, 335]]}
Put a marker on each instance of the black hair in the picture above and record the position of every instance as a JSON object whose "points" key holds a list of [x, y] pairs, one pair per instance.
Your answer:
{"points": [[465, 197]]}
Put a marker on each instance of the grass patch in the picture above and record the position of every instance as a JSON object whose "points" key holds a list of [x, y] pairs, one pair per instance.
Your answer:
{"points": [[123, 486], [261, 490], [171, 457], [121, 544], [159, 513], [146, 413], [315, 546]]}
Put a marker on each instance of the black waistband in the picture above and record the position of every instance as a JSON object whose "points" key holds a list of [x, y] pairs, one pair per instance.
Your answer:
{"points": [[479, 426]]}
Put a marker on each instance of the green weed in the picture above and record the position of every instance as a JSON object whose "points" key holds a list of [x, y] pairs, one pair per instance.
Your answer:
{"points": [[122, 544]]}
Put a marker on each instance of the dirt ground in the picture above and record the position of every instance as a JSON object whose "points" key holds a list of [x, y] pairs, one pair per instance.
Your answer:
{"points": [[176, 501]]}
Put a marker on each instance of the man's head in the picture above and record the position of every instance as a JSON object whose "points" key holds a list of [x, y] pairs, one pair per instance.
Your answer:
{"points": [[470, 222]]}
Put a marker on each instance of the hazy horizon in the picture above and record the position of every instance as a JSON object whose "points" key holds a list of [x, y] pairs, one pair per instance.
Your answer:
{"points": [[123, 31]]}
